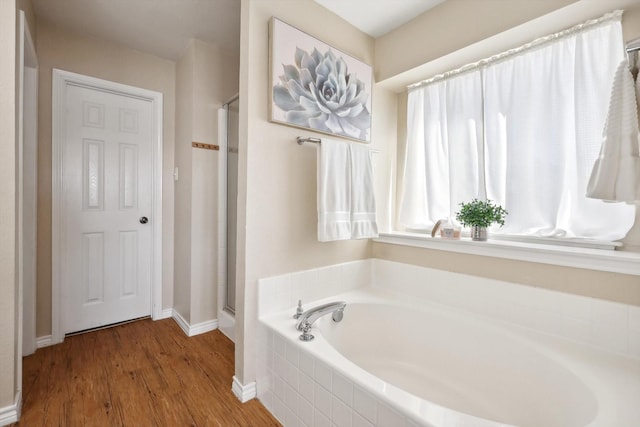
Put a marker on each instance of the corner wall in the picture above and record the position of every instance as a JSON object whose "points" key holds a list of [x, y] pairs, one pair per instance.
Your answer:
{"points": [[277, 216], [206, 77]]}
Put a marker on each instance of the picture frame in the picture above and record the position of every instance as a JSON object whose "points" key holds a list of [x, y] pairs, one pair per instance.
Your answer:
{"points": [[317, 87]]}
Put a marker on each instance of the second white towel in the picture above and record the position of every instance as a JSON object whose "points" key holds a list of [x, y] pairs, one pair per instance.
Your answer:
{"points": [[346, 200]]}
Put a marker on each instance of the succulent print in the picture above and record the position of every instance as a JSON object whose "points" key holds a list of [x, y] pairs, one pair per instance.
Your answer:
{"points": [[318, 92]]}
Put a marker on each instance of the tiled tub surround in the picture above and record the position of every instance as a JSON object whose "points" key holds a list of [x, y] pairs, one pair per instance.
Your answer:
{"points": [[313, 384]]}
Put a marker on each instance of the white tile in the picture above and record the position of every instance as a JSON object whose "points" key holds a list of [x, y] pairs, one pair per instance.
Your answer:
{"points": [[306, 363], [340, 413], [278, 388], [292, 354], [610, 339], [609, 314], [279, 345], [634, 318], [322, 400], [291, 376], [291, 398], [576, 329], [540, 299], [279, 410], [365, 404], [634, 344], [290, 418], [305, 412], [576, 306], [306, 386], [297, 280], [322, 374], [388, 417], [267, 400], [320, 420], [342, 388], [263, 384], [359, 421], [279, 366]]}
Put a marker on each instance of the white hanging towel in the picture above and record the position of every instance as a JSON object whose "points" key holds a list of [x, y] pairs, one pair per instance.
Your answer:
{"points": [[363, 201], [334, 195], [346, 199], [616, 173]]}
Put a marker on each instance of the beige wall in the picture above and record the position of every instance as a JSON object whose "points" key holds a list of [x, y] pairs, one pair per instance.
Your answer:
{"points": [[597, 284], [450, 26], [206, 77], [59, 48], [277, 231], [184, 114], [8, 119]]}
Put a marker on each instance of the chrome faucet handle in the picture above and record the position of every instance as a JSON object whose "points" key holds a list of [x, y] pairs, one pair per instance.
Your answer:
{"points": [[306, 336], [299, 310]]}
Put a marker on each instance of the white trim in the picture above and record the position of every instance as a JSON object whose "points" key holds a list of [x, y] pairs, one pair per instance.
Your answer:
{"points": [[202, 327], [166, 314], [44, 341], [244, 393], [592, 259], [28, 140], [61, 79], [184, 325], [11, 414], [198, 328], [222, 209]]}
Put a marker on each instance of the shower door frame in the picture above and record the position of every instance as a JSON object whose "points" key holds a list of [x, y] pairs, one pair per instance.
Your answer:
{"points": [[226, 314]]}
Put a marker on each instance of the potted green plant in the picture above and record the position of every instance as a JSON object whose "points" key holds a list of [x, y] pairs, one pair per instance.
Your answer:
{"points": [[480, 214]]}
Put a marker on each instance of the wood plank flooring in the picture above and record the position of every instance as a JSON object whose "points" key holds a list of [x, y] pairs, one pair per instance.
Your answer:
{"points": [[143, 373]]}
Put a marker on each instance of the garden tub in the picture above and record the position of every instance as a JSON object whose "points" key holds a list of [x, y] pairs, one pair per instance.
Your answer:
{"points": [[396, 361]]}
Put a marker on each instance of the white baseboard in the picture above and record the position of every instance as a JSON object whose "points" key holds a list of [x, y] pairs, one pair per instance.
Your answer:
{"points": [[11, 414], [198, 328], [166, 313], [44, 341], [244, 393]]}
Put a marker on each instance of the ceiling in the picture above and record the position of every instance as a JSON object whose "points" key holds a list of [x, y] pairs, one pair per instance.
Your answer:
{"points": [[164, 27], [159, 27], [378, 17]]}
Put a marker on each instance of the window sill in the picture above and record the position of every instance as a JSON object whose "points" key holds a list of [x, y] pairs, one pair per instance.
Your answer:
{"points": [[567, 256]]}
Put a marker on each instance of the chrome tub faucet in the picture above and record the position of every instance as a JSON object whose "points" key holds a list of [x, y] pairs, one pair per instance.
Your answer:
{"points": [[306, 319]]}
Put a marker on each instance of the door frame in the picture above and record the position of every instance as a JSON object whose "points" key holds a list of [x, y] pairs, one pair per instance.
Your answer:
{"points": [[61, 80]]}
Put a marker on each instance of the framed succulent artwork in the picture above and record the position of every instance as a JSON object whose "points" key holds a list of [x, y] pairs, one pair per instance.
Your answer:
{"points": [[317, 87]]}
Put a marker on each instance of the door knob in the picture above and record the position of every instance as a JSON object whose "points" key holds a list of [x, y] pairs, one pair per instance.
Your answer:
{"points": [[144, 220]]}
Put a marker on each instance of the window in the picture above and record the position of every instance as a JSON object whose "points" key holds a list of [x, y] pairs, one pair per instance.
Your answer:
{"points": [[523, 129]]}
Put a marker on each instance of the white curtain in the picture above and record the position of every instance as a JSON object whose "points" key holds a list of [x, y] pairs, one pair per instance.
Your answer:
{"points": [[444, 153], [542, 112]]}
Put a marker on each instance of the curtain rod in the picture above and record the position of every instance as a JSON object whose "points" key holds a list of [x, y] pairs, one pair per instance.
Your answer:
{"points": [[611, 16], [633, 45]]}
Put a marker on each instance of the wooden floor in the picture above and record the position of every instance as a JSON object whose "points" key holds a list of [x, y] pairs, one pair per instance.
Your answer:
{"points": [[143, 373]]}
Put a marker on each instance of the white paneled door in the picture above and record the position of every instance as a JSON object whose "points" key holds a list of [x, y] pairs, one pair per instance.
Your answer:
{"points": [[106, 208]]}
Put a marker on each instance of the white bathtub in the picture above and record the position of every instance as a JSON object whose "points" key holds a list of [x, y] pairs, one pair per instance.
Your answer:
{"points": [[394, 361]]}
